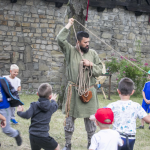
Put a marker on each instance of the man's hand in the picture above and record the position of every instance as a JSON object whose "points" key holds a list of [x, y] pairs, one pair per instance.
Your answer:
{"points": [[70, 23], [3, 123], [54, 97], [20, 108], [87, 63], [92, 118]]}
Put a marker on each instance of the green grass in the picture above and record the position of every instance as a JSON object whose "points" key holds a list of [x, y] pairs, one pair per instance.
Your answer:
{"points": [[79, 139]]}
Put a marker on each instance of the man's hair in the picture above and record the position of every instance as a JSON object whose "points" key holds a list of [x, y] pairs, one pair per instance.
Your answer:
{"points": [[126, 86], [14, 66], [82, 34], [44, 90]]}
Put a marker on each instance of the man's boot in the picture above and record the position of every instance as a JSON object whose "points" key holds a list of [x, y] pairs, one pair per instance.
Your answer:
{"points": [[68, 136], [89, 134]]}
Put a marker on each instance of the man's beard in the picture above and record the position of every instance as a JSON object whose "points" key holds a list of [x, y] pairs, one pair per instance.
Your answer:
{"points": [[84, 49]]}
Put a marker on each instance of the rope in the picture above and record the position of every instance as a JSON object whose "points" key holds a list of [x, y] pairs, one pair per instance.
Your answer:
{"points": [[111, 47], [84, 85]]}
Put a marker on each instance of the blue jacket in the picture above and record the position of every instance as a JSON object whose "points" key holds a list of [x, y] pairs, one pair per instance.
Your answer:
{"points": [[8, 95]]}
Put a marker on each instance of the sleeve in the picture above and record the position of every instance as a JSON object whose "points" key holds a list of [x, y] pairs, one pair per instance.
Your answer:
{"points": [[120, 142], [19, 82], [94, 143], [27, 114], [62, 41], [97, 66], [54, 105], [141, 112], [144, 89]]}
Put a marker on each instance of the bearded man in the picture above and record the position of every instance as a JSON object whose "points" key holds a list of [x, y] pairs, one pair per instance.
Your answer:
{"points": [[90, 59]]}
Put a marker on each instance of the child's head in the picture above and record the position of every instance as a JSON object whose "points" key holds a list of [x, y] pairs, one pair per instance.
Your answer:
{"points": [[126, 87], [104, 117], [45, 91], [14, 70]]}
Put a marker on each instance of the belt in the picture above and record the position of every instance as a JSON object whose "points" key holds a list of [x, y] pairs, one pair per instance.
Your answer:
{"points": [[127, 135]]}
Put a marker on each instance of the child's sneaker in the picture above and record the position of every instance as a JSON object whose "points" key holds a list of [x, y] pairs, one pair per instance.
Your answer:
{"points": [[18, 139], [14, 121]]}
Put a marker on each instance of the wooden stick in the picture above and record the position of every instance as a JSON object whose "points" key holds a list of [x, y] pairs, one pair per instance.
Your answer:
{"points": [[103, 93]]}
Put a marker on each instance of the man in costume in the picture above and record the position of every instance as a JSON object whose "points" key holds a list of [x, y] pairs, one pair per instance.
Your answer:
{"points": [[78, 109]]}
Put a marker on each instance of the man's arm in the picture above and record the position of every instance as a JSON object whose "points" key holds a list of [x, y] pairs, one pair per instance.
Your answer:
{"points": [[62, 38]]}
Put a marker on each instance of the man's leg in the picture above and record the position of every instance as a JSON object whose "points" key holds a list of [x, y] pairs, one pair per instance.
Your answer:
{"points": [[90, 127], [69, 129]]}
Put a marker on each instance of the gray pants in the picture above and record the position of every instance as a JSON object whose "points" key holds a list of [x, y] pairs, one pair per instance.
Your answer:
{"points": [[69, 129], [12, 109], [8, 130]]}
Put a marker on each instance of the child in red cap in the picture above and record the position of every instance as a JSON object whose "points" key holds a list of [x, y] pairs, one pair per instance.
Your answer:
{"points": [[106, 138]]}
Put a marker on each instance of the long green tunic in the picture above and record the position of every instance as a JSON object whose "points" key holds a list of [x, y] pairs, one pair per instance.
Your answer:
{"points": [[78, 109]]}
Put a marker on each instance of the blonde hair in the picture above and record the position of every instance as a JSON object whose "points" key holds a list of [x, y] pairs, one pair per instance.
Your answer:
{"points": [[14, 66], [44, 90]]}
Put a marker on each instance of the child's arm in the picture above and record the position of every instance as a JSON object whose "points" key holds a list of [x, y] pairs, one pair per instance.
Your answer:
{"points": [[144, 97], [53, 102], [19, 88], [28, 114], [146, 119], [3, 122]]}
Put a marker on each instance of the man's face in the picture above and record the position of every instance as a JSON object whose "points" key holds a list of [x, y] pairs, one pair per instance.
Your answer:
{"points": [[14, 73], [84, 44]]}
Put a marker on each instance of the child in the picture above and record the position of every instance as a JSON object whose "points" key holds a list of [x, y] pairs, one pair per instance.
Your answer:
{"points": [[40, 113], [105, 139], [126, 112], [9, 97], [146, 100], [16, 83]]}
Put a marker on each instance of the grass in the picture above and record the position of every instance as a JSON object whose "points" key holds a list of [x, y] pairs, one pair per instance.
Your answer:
{"points": [[79, 139]]}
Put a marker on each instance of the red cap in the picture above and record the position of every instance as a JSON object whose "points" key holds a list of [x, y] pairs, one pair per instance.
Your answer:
{"points": [[104, 115]]}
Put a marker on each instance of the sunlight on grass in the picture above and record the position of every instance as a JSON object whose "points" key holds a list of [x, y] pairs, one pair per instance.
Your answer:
{"points": [[79, 139]]}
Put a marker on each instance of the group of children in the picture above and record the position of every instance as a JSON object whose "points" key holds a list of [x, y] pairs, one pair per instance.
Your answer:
{"points": [[122, 114]]}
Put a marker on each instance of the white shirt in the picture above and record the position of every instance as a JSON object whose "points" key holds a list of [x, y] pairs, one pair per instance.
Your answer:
{"points": [[125, 115], [106, 139], [16, 82]]}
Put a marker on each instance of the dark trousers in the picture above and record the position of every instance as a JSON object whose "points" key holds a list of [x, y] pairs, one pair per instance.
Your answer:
{"points": [[47, 143], [124, 147]]}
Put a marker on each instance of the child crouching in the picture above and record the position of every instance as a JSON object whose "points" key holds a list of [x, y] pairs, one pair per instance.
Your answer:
{"points": [[40, 113], [106, 138]]}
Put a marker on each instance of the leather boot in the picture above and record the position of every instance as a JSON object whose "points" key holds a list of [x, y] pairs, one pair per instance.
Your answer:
{"points": [[67, 147]]}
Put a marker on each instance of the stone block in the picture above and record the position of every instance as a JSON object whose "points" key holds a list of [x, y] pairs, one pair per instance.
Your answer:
{"points": [[36, 73], [37, 34], [102, 55], [28, 54], [25, 8], [15, 57], [45, 34], [8, 6], [35, 16], [1, 17], [44, 20], [50, 11], [41, 12], [26, 30], [55, 47], [44, 25], [118, 36], [38, 30], [42, 16], [56, 54], [131, 36], [123, 49], [38, 41], [3, 28], [15, 48], [27, 73], [36, 66], [24, 86], [35, 85], [4, 23], [44, 42], [43, 66], [21, 65], [25, 24], [16, 7], [33, 10], [5, 57], [1, 48], [145, 49], [49, 47], [20, 44], [11, 23], [18, 18], [58, 28], [34, 25], [27, 40], [8, 48], [29, 2]]}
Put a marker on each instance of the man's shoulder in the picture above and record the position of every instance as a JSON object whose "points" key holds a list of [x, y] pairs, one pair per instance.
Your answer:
{"points": [[92, 51]]}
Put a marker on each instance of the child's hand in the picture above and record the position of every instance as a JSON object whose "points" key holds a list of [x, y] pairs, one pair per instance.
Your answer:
{"points": [[54, 97], [3, 123], [92, 118], [20, 108]]}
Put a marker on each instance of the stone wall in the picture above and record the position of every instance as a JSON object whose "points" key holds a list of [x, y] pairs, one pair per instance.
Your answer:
{"points": [[28, 32]]}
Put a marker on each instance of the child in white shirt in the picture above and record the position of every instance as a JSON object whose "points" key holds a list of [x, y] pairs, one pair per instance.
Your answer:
{"points": [[105, 139], [126, 112], [16, 83]]}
